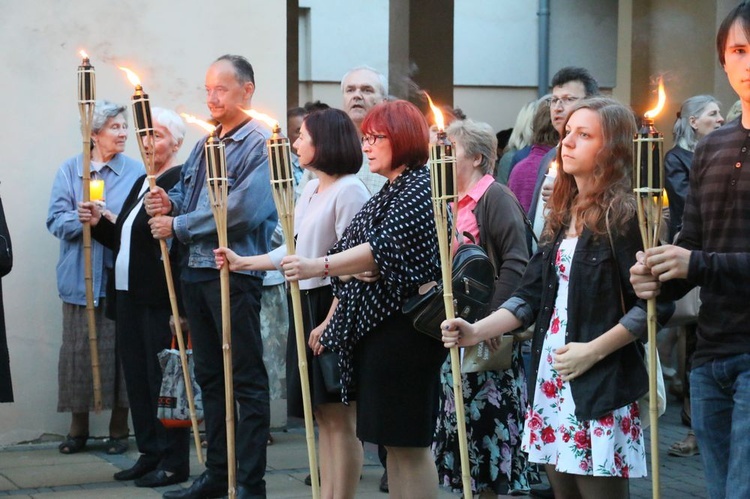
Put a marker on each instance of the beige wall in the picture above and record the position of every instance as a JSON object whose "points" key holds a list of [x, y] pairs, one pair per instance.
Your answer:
{"points": [[171, 51]]}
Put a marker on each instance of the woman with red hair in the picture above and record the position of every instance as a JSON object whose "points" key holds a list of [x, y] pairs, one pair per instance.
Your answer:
{"points": [[391, 248]]}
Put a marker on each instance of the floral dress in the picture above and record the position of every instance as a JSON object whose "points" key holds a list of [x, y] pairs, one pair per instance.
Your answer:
{"points": [[608, 446], [495, 407]]}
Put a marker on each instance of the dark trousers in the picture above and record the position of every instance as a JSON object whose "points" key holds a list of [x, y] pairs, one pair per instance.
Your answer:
{"points": [[202, 302], [142, 332]]}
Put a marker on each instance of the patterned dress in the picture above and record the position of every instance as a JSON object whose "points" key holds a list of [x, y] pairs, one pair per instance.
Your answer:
{"points": [[495, 407], [608, 446]]}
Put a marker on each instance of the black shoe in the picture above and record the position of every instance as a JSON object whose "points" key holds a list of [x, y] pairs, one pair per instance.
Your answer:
{"points": [[206, 486], [160, 478], [244, 493], [542, 492], [139, 469], [384, 482]]}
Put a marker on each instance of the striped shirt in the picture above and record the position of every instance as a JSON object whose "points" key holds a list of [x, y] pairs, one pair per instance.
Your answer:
{"points": [[716, 228]]}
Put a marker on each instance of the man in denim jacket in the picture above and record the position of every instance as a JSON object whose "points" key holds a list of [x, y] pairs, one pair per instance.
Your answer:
{"points": [[251, 218]]}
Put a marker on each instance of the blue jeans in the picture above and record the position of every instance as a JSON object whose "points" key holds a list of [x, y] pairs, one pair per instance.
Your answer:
{"points": [[720, 404]]}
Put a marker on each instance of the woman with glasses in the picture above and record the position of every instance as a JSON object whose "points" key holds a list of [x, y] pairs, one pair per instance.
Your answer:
{"points": [[392, 368], [327, 145]]}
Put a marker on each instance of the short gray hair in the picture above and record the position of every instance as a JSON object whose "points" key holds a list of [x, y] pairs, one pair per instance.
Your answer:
{"points": [[382, 80], [171, 121], [684, 134], [103, 111], [475, 138]]}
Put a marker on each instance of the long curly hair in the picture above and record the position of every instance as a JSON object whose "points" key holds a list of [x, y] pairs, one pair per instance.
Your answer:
{"points": [[612, 185]]}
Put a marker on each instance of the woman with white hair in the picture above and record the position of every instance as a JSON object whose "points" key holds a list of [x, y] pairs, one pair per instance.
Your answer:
{"points": [[698, 116], [496, 399], [143, 309], [75, 387]]}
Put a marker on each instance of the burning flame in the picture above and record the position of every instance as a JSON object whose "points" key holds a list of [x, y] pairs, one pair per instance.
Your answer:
{"points": [[262, 117], [439, 121], [653, 113], [84, 55], [131, 76], [192, 119]]}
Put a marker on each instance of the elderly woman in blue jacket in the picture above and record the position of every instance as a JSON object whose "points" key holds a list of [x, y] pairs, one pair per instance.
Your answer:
{"points": [[583, 421], [75, 386]]}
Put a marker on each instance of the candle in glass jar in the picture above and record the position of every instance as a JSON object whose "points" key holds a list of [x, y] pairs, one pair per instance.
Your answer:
{"points": [[96, 189]]}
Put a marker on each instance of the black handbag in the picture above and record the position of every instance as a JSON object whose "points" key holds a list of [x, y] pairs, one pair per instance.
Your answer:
{"points": [[329, 367], [473, 286]]}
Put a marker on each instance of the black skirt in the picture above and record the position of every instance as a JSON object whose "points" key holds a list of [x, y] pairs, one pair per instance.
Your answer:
{"points": [[397, 378], [315, 306]]}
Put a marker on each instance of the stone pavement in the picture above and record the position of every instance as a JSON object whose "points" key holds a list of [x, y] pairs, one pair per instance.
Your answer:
{"points": [[39, 471]]}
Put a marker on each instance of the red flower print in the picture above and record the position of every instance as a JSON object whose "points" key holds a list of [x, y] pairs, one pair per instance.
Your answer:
{"points": [[598, 432], [548, 435], [558, 257], [625, 425], [584, 465], [635, 411], [635, 432], [566, 436], [533, 437], [618, 460], [535, 422], [549, 358], [559, 383], [549, 389], [562, 268], [607, 420], [555, 326], [582, 439], [625, 471]]}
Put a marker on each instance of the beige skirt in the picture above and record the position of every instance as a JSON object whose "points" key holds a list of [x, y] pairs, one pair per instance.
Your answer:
{"points": [[74, 375]]}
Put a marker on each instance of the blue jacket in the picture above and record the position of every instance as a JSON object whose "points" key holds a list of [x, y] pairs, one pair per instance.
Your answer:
{"points": [[251, 213], [62, 221]]}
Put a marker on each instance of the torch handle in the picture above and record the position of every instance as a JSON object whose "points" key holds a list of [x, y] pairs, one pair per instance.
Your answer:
{"points": [[283, 197], [653, 399], [226, 335]]}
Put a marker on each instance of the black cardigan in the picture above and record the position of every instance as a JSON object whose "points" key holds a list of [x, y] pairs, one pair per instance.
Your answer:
{"points": [[146, 282]]}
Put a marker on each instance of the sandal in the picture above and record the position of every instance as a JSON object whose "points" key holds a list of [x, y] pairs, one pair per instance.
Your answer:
{"points": [[686, 447], [117, 445], [72, 445]]}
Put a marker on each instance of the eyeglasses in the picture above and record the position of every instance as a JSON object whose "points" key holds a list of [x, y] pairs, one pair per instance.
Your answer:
{"points": [[565, 101], [371, 139]]}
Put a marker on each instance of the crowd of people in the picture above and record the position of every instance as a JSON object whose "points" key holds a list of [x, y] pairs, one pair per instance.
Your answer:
{"points": [[569, 266]]}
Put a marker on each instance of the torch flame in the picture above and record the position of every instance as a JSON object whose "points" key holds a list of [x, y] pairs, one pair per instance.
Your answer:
{"points": [[653, 113], [131, 76], [192, 119], [439, 121], [84, 55], [262, 117]]}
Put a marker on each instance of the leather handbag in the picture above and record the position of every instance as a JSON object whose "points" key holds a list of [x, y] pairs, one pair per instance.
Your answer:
{"points": [[329, 367], [473, 286]]}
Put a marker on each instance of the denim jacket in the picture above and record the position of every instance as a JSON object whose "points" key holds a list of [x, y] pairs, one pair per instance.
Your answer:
{"points": [[597, 283], [251, 213], [62, 221]]}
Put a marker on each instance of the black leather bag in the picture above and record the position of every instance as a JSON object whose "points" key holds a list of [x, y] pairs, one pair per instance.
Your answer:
{"points": [[473, 286]]}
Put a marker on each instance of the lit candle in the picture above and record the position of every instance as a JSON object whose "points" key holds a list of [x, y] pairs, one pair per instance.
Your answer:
{"points": [[279, 151], [552, 172], [442, 160], [648, 169], [86, 80], [96, 189]]}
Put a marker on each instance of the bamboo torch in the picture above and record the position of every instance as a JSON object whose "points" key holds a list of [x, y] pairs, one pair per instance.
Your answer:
{"points": [[216, 183], [444, 198], [648, 184], [282, 186], [86, 104], [144, 130]]}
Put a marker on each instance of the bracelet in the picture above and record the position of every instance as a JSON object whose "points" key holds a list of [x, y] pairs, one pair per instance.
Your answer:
{"points": [[326, 266]]}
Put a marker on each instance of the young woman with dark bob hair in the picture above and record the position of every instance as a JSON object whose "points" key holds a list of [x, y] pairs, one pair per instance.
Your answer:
{"points": [[329, 147], [584, 420], [392, 368]]}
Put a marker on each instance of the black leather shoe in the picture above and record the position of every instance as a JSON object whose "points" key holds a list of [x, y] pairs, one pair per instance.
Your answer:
{"points": [[244, 493], [160, 478], [139, 469], [206, 486]]}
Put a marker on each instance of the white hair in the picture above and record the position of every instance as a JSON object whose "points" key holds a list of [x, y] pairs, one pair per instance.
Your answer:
{"points": [[382, 80], [171, 121]]}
